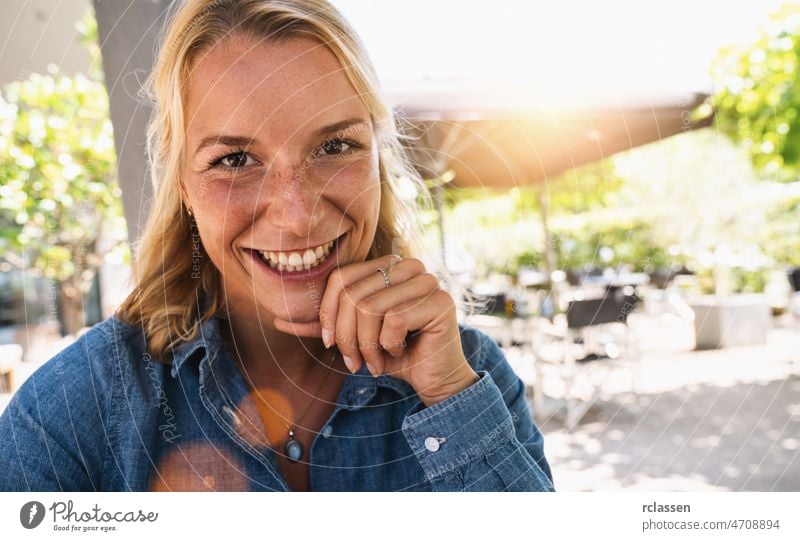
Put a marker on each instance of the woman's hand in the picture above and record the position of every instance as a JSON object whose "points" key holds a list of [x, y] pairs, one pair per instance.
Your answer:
{"points": [[408, 330]]}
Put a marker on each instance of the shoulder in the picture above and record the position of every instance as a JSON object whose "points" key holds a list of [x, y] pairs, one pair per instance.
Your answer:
{"points": [[56, 429], [96, 350], [87, 368]]}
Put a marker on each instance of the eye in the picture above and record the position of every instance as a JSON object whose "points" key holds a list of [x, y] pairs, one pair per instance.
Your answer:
{"points": [[234, 160], [333, 147]]}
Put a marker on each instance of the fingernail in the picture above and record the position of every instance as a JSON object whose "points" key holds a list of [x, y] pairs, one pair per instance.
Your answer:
{"points": [[372, 370], [349, 362], [326, 337]]}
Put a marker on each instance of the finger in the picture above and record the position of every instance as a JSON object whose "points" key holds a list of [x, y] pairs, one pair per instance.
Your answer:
{"points": [[346, 324], [374, 282], [346, 331], [434, 313], [339, 279], [371, 308], [411, 292], [310, 329], [368, 328]]}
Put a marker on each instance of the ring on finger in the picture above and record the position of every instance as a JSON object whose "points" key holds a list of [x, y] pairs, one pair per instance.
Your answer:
{"points": [[386, 281]]}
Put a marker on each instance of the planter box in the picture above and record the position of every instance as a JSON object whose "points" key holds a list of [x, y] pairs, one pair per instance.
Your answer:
{"points": [[734, 320]]}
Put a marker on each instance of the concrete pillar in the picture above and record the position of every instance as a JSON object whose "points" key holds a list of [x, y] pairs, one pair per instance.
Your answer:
{"points": [[128, 33]]}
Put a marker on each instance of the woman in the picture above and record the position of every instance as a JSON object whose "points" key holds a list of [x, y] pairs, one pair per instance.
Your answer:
{"points": [[281, 334]]}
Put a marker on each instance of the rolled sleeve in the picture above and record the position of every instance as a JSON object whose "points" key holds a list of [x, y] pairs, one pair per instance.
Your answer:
{"points": [[469, 442]]}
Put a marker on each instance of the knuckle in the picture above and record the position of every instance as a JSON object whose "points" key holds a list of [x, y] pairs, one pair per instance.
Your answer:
{"points": [[335, 278], [393, 259], [417, 265], [348, 296], [366, 306], [429, 279], [394, 319], [392, 344], [440, 295]]}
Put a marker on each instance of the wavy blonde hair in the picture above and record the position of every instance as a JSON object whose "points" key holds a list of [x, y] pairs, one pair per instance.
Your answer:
{"points": [[165, 301]]}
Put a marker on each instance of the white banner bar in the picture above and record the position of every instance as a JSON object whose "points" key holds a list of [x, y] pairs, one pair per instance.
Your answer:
{"points": [[401, 516]]}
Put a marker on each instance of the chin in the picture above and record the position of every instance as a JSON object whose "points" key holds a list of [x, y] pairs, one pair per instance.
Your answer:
{"points": [[292, 312]]}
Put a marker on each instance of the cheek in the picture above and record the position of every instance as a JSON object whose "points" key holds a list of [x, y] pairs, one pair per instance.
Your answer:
{"points": [[231, 202], [224, 213], [356, 186]]}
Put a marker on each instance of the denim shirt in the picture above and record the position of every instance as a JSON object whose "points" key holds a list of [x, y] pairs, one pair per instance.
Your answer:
{"points": [[102, 415]]}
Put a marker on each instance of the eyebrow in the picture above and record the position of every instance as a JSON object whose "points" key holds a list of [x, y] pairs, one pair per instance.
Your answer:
{"points": [[229, 140], [243, 141], [341, 125]]}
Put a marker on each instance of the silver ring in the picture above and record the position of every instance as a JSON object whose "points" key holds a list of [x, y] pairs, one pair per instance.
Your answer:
{"points": [[386, 280]]}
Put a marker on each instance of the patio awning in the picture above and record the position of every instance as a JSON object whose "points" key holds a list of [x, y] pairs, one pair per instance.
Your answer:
{"points": [[503, 139]]}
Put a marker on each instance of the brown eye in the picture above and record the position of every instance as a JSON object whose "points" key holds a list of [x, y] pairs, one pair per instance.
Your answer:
{"points": [[335, 146], [235, 160]]}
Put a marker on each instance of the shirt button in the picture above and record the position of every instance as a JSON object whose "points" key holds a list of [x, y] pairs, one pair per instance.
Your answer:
{"points": [[232, 414], [432, 444], [326, 432]]}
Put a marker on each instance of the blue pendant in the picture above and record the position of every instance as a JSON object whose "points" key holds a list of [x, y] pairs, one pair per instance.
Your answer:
{"points": [[294, 451]]}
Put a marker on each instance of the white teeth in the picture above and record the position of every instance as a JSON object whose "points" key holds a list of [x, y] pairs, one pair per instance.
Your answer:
{"points": [[297, 261]]}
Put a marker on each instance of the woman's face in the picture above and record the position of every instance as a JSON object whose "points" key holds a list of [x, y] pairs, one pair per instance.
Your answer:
{"points": [[280, 161]]}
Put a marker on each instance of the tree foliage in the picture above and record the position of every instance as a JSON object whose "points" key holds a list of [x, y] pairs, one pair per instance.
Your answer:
{"points": [[58, 190], [759, 94]]}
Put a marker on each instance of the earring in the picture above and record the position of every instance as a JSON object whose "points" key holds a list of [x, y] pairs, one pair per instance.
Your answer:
{"points": [[189, 211]]}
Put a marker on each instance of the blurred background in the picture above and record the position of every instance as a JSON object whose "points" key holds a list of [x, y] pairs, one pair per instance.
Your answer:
{"points": [[615, 194]]}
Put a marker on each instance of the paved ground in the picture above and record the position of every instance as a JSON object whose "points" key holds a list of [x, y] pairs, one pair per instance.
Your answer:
{"points": [[726, 420]]}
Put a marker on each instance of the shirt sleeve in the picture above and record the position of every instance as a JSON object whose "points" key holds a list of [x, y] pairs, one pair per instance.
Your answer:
{"points": [[482, 438], [52, 430]]}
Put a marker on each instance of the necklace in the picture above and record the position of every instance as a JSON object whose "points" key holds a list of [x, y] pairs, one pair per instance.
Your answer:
{"points": [[294, 451]]}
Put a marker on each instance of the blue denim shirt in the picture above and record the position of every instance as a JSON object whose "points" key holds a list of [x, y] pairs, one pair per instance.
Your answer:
{"points": [[102, 415]]}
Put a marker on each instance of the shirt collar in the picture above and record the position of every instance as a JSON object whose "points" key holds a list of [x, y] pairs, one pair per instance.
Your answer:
{"points": [[208, 339], [359, 388]]}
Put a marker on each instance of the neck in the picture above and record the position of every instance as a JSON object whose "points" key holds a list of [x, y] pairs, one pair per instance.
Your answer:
{"points": [[272, 355]]}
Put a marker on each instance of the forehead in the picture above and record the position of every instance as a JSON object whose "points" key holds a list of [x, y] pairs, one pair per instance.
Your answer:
{"points": [[274, 86]]}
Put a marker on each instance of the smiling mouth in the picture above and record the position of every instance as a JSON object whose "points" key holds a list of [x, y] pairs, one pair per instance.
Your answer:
{"points": [[298, 260]]}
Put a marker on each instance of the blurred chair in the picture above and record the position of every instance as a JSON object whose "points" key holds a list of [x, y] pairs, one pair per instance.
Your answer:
{"points": [[793, 274], [591, 331], [10, 358]]}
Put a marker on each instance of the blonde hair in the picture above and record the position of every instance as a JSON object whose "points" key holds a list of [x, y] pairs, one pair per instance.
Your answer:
{"points": [[165, 300]]}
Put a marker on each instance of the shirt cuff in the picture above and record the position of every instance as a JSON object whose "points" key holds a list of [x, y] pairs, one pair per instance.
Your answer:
{"points": [[450, 434]]}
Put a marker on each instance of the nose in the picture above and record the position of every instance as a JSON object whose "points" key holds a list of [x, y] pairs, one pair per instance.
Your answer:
{"points": [[294, 203]]}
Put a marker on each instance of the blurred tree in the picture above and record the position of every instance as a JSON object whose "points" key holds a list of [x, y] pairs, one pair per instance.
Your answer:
{"points": [[577, 190], [504, 226], [615, 242], [782, 238], [759, 95], [60, 206]]}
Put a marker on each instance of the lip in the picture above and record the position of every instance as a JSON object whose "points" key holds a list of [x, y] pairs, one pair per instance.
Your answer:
{"points": [[303, 276]]}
